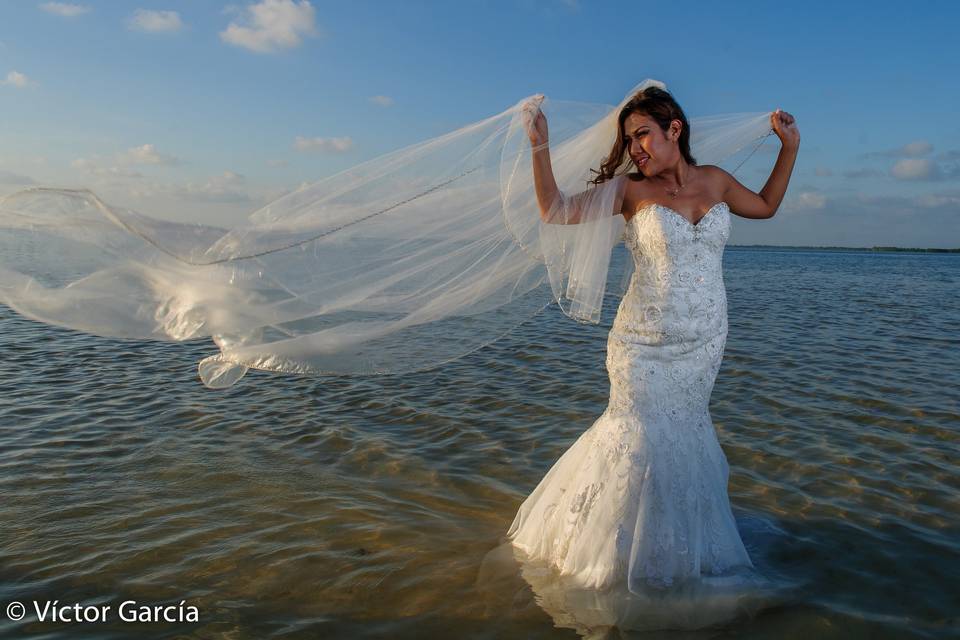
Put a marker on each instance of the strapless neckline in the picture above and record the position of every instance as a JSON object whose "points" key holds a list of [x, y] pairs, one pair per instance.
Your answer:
{"points": [[679, 215]]}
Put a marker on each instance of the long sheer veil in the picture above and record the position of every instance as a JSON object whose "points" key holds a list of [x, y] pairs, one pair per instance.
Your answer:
{"points": [[398, 264]]}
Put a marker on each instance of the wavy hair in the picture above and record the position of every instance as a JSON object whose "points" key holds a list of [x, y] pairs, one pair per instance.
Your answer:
{"points": [[663, 109]]}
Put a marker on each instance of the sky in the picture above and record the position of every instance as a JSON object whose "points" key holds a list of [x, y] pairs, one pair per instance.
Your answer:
{"points": [[206, 109]]}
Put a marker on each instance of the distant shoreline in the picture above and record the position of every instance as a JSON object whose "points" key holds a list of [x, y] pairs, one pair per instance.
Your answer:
{"points": [[871, 249]]}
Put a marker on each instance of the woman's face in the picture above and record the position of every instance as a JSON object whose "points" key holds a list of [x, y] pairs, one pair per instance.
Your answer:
{"points": [[651, 149]]}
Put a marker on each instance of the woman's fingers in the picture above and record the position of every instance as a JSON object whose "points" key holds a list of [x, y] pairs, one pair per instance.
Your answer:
{"points": [[781, 116]]}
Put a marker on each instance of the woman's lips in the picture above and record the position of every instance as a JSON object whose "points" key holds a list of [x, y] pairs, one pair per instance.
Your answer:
{"points": [[642, 161]]}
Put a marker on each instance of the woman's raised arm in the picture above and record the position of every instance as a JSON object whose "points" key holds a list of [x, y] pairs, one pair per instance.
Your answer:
{"points": [[748, 204], [555, 207]]}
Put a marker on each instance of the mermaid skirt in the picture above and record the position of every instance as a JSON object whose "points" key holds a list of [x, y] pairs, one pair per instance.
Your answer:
{"points": [[641, 497]]}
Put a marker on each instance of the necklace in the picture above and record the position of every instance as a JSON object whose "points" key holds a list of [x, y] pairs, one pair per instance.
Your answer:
{"points": [[673, 193]]}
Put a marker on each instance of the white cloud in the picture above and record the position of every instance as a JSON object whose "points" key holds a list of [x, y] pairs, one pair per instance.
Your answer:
{"points": [[146, 154], [918, 148], [17, 79], [155, 21], [909, 150], [120, 165], [227, 187], [383, 101], [811, 200], [336, 145], [94, 167], [915, 169], [222, 188], [64, 9], [271, 25], [806, 199]]}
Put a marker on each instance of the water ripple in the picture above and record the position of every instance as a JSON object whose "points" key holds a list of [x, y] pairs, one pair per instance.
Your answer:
{"points": [[292, 507]]}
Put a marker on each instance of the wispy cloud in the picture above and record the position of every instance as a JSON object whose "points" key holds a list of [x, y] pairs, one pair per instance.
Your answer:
{"points": [[8, 177], [16, 79], [228, 187], [911, 165], [271, 25], [909, 150], [155, 21], [65, 9], [147, 154], [811, 200], [95, 167], [383, 101], [121, 164], [915, 169], [862, 173], [335, 145], [805, 200], [932, 200]]}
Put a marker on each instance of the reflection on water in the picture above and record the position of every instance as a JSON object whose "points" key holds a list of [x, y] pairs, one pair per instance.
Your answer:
{"points": [[291, 507], [710, 602]]}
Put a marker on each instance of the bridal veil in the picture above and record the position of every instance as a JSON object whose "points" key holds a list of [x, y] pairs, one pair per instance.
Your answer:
{"points": [[398, 264]]}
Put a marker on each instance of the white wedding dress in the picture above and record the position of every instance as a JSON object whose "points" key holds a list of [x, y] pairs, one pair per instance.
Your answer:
{"points": [[640, 499]]}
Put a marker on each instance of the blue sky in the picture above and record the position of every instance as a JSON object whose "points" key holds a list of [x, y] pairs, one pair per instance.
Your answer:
{"points": [[203, 108]]}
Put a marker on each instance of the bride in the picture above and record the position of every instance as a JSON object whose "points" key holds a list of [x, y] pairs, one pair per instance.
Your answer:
{"points": [[641, 497], [423, 255]]}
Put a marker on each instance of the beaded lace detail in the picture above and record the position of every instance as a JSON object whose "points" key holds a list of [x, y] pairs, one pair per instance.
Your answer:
{"points": [[642, 496]]}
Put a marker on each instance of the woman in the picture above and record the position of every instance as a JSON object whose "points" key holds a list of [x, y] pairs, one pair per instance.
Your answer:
{"points": [[641, 496]]}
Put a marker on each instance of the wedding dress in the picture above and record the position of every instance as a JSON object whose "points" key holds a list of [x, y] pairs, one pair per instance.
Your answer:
{"points": [[641, 497]]}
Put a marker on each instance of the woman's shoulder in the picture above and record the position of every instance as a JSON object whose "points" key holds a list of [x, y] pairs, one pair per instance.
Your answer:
{"points": [[717, 177], [714, 172], [635, 184]]}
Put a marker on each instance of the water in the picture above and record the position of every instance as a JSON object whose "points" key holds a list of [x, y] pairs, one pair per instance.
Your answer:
{"points": [[290, 507]]}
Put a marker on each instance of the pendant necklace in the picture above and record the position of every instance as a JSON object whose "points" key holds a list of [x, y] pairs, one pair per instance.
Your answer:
{"points": [[673, 193]]}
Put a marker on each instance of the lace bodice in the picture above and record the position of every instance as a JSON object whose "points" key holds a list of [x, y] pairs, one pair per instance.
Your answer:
{"points": [[676, 294]]}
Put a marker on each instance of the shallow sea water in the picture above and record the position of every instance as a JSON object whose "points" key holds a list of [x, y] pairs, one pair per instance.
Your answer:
{"points": [[289, 507]]}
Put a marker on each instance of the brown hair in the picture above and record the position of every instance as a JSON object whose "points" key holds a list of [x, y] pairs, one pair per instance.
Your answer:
{"points": [[657, 104]]}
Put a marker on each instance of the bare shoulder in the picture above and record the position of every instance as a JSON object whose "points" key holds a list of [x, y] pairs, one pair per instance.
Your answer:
{"points": [[717, 177], [741, 200], [633, 191]]}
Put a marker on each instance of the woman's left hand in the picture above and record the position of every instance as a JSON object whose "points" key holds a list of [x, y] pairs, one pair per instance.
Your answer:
{"points": [[785, 126]]}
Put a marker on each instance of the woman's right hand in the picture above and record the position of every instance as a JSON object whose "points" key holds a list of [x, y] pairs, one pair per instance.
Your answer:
{"points": [[535, 122]]}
